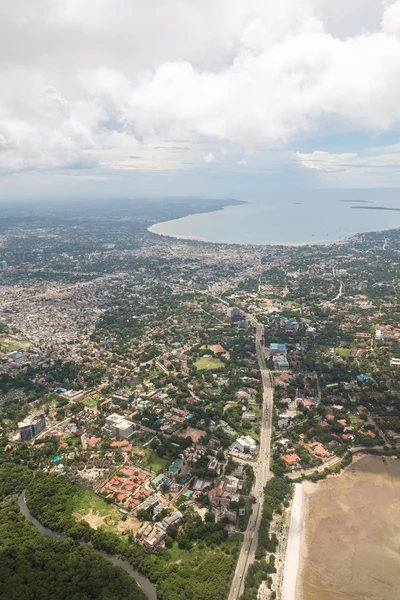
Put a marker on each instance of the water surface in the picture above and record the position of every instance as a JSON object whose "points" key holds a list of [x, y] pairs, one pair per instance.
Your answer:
{"points": [[323, 216]]}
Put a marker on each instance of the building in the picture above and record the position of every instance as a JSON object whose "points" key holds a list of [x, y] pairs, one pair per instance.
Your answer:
{"points": [[119, 426], [31, 427], [3, 265], [175, 468], [249, 416], [395, 362], [246, 445], [174, 519], [277, 349], [290, 325], [123, 398], [233, 312], [282, 364]]}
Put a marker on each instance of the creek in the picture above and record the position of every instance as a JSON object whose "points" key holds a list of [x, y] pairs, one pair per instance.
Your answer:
{"points": [[145, 584]]}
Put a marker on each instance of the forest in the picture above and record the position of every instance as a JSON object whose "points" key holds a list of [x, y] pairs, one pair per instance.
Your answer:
{"points": [[203, 575], [36, 567]]}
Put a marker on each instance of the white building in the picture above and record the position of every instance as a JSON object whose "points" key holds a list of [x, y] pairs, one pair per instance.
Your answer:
{"points": [[120, 427], [246, 445]]}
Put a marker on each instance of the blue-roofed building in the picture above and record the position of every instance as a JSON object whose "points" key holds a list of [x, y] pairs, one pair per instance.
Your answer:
{"points": [[282, 364], [277, 349], [175, 467], [15, 355], [362, 378]]}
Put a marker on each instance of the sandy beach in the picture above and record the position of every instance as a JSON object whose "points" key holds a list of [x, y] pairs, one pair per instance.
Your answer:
{"points": [[350, 542], [294, 545]]}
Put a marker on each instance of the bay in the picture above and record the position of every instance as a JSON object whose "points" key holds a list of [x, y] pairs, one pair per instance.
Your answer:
{"points": [[297, 218]]}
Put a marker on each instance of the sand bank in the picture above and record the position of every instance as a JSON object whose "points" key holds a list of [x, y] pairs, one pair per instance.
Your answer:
{"points": [[294, 545], [351, 541]]}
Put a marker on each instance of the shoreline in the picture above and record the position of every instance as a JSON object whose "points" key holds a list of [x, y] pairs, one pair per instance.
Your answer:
{"points": [[152, 229], [295, 546]]}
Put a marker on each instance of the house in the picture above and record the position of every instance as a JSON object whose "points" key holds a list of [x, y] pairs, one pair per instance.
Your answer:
{"points": [[317, 449], [175, 518], [290, 459]]}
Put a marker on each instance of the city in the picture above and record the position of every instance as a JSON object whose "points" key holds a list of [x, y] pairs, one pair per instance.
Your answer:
{"points": [[168, 394]]}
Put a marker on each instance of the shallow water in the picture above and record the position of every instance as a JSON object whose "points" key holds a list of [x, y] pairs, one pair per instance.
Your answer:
{"points": [[353, 534]]}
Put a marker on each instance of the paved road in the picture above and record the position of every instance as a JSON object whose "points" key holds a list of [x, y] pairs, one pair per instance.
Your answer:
{"points": [[262, 474]]}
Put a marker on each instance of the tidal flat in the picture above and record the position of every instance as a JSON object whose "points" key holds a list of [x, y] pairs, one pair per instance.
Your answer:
{"points": [[351, 536]]}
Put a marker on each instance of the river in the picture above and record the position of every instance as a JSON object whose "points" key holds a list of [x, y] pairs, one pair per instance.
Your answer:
{"points": [[145, 584]]}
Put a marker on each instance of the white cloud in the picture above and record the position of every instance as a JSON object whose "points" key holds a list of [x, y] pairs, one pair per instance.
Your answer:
{"points": [[352, 169], [83, 83], [242, 161]]}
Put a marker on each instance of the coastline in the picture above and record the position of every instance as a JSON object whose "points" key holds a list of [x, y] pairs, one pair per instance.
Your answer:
{"points": [[153, 229], [295, 546], [340, 551]]}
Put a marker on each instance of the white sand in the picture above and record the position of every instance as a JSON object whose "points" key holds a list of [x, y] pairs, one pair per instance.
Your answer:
{"points": [[293, 550]]}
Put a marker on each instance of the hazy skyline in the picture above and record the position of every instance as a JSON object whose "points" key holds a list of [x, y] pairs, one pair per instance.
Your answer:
{"points": [[101, 98]]}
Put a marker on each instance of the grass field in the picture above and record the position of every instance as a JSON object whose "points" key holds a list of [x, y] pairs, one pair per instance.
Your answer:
{"points": [[344, 352], [208, 363], [150, 460], [98, 513], [8, 345], [90, 401], [199, 551], [84, 500], [155, 462]]}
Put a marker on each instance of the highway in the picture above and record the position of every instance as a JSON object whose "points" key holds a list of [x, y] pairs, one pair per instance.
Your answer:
{"points": [[261, 470]]}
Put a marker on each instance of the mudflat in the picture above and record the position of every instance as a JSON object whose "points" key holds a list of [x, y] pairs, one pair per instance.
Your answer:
{"points": [[351, 542]]}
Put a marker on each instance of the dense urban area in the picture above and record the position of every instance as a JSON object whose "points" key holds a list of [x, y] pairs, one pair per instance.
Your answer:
{"points": [[159, 397]]}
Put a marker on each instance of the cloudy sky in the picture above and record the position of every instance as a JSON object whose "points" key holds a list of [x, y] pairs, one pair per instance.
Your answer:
{"points": [[213, 97]]}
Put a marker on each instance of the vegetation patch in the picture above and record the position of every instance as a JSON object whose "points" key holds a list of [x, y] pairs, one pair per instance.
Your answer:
{"points": [[208, 363]]}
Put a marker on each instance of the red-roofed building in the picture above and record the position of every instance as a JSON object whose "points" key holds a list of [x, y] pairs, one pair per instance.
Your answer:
{"points": [[290, 459]]}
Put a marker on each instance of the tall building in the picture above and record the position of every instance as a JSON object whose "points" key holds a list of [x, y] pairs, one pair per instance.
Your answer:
{"points": [[233, 312], [119, 426], [3, 265], [31, 427]]}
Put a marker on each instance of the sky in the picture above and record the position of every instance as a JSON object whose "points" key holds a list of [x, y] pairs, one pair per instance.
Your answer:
{"points": [[116, 98]]}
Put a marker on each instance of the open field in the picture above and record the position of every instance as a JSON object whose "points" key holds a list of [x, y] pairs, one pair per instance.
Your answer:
{"points": [[8, 344], [344, 352], [87, 506], [155, 462], [352, 536], [200, 550], [150, 460], [84, 500], [195, 434], [91, 401], [208, 363]]}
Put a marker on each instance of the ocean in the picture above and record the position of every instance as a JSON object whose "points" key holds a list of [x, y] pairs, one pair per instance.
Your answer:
{"points": [[297, 218]]}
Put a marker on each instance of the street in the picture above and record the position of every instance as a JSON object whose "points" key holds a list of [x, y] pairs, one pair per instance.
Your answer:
{"points": [[261, 471]]}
